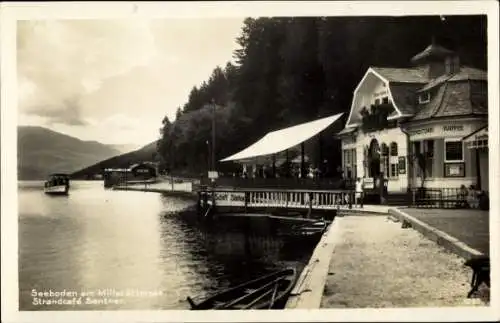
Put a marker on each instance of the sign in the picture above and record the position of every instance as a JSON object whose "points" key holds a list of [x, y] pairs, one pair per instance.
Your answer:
{"points": [[453, 128], [402, 165], [454, 170], [422, 131], [213, 174]]}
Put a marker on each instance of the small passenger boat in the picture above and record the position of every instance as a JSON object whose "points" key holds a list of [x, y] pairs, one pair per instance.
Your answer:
{"points": [[268, 292], [57, 184]]}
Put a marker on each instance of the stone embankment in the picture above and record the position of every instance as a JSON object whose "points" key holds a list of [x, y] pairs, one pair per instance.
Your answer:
{"points": [[372, 261]]}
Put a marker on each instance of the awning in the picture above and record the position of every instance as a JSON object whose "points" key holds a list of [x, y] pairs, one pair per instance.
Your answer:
{"points": [[280, 140], [477, 139]]}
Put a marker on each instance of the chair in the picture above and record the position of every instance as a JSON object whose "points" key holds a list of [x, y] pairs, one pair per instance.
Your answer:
{"points": [[480, 273]]}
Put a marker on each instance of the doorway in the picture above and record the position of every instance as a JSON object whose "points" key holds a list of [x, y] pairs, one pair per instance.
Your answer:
{"points": [[374, 159]]}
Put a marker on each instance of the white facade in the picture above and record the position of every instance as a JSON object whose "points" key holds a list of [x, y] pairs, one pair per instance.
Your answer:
{"points": [[448, 164]]}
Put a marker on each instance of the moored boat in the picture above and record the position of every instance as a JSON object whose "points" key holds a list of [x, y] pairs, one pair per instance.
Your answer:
{"points": [[268, 292], [57, 184], [312, 229]]}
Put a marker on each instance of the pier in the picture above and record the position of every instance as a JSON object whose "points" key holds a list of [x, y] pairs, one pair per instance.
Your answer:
{"points": [[306, 203]]}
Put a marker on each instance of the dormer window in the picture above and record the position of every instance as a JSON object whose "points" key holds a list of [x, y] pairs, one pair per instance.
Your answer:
{"points": [[424, 98]]}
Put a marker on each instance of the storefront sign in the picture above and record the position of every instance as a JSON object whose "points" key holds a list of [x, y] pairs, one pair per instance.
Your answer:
{"points": [[453, 128], [422, 131], [402, 165], [454, 170]]}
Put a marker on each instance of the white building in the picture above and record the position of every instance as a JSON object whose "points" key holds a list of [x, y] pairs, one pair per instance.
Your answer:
{"points": [[419, 126]]}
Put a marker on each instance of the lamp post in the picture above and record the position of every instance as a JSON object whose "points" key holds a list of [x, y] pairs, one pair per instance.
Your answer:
{"points": [[213, 153], [213, 135]]}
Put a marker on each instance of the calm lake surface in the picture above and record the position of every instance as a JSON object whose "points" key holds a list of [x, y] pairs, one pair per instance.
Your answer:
{"points": [[99, 249]]}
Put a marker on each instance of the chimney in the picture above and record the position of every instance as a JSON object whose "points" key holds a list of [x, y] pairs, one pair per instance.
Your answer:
{"points": [[452, 65]]}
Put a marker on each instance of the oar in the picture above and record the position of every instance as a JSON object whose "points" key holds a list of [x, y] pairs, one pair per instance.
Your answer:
{"points": [[255, 301], [274, 294], [238, 300]]}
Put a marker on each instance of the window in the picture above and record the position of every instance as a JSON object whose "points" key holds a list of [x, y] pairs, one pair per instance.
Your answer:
{"points": [[424, 98], [454, 151], [416, 147], [429, 157], [377, 101], [394, 170], [384, 159], [385, 100], [416, 151], [394, 149], [354, 166]]}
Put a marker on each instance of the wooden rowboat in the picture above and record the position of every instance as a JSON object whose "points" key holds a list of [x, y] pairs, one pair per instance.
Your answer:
{"points": [[309, 230], [268, 292]]}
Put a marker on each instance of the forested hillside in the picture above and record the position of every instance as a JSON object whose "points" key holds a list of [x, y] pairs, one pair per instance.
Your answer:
{"points": [[290, 70]]}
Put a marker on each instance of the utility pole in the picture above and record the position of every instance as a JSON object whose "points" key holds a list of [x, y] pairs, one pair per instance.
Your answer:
{"points": [[213, 135], [213, 153]]}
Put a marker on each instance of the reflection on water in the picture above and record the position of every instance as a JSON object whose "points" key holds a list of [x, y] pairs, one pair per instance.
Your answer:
{"points": [[134, 250]]}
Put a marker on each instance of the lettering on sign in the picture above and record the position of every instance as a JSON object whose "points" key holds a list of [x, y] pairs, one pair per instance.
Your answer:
{"points": [[238, 197], [481, 137], [422, 131], [451, 128]]}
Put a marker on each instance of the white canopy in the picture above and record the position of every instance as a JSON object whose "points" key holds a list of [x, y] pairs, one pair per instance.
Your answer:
{"points": [[280, 140]]}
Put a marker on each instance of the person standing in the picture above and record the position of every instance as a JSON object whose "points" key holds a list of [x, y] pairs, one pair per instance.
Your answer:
{"points": [[359, 190]]}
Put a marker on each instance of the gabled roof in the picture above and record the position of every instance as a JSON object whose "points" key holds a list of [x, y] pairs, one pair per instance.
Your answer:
{"points": [[403, 95], [402, 75]]}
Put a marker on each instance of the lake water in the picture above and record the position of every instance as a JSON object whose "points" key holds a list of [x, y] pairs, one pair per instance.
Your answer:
{"points": [[99, 249]]}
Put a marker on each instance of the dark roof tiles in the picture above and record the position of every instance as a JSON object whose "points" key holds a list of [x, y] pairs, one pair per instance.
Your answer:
{"points": [[402, 75]]}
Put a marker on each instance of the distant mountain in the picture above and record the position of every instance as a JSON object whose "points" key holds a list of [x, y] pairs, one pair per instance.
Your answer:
{"points": [[146, 153], [42, 151], [126, 148]]}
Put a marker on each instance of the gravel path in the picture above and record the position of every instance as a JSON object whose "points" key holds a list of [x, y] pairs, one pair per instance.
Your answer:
{"points": [[379, 264]]}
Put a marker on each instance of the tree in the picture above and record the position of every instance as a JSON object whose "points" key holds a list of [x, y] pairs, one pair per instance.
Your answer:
{"points": [[294, 69], [178, 113]]}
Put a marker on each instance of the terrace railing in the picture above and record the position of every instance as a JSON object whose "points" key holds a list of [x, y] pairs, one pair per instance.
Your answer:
{"points": [[445, 198], [294, 199], [281, 183]]}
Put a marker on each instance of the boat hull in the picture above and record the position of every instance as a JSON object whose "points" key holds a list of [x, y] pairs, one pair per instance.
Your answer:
{"points": [[268, 292], [56, 190]]}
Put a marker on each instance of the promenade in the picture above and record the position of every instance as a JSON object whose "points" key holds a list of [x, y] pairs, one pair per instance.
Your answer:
{"points": [[372, 261]]}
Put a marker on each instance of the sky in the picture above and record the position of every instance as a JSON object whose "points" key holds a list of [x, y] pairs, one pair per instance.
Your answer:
{"points": [[113, 81]]}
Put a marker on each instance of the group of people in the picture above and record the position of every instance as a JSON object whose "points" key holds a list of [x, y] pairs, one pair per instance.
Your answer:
{"points": [[468, 198]]}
